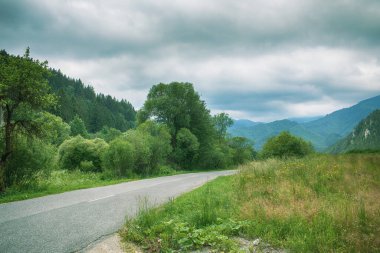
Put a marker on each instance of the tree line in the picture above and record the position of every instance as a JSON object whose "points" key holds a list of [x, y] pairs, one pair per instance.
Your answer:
{"points": [[96, 110], [49, 121]]}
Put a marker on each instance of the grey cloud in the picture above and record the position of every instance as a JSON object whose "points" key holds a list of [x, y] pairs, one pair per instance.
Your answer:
{"points": [[336, 23], [246, 56]]}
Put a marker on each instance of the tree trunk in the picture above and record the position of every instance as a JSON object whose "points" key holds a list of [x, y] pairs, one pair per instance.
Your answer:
{"points": [[2, 177], [7, 149]]}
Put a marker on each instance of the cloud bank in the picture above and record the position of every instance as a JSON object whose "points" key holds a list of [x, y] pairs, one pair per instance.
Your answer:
{"points": [[261, 60]]}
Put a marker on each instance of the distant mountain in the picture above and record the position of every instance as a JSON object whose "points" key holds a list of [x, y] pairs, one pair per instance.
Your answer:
{"points": [[244, 123], [304, 119], [342, 122], [322, 132], [261, 132], [365, 136]]}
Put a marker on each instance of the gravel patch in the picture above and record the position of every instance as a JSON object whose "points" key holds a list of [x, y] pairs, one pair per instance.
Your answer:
{"points": [[111, 244]]}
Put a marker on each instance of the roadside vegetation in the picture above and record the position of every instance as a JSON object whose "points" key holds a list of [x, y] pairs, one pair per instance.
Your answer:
{"points": [[58, 135], [56, 182], [172, 133], [319, 203]]}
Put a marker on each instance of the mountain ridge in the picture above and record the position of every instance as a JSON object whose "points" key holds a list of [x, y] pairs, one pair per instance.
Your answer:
{"points": [[322, 132], [365, 136]]}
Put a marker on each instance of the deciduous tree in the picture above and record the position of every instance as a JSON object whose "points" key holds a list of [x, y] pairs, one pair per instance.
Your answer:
{"points": [[24, 91], [286, 145]]}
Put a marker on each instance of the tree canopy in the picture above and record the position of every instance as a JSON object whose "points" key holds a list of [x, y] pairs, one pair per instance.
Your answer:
{"points": [[96, 110], [286, 145], [222, 122], [179, 106], [24, 91], [70, 128]]}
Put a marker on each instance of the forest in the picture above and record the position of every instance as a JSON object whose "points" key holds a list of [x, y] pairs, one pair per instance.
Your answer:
{"points": [[50, 123]]}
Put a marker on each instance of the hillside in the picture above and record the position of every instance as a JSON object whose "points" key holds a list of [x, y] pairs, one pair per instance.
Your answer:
{"points": [[365, 136], [322, 132], [343, 121], [261, 132], [96, 110]]}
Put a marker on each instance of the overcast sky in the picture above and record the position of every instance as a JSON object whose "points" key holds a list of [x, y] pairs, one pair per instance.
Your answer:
{"points": [[255, 59]]}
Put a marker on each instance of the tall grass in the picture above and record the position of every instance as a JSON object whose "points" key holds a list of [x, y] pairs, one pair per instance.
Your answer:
{"points": [[320, 203], [58, 181]]}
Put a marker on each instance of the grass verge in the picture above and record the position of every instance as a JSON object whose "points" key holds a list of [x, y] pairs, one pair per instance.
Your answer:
{"points": [[57, 182], [317, 204], [62, 181]]}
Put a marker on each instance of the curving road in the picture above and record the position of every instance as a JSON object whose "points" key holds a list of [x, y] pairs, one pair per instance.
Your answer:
{"points": [[68, 222]]}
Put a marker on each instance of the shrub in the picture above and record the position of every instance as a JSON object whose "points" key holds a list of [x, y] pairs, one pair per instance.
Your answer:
{"points": [[186, 150], [139, 151], [286, 145], [219, 156], [54, 129], [31, 157], [159, 140], [74, 151], [142, 151], [108, 133], [120, 157], [87, 166], [78, 127], [242, 150], [165, 170]]}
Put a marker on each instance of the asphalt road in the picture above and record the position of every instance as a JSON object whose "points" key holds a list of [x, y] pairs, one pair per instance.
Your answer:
{"points": [[68, 222]]}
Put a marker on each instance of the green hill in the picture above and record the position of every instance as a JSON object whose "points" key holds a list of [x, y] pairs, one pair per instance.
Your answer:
{"points": [[96, 110], [261, 132], [365, 136], [322, 132]]}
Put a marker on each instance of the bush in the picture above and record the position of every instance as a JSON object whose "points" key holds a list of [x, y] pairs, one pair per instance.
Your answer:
{"points": [[219, 156], [120, 157], [30, 158], [159, 140], [78, 127], [108, 134], [286, 145], [87, 166], [242, 150], [165, 170], [139, 151], [74, 151], [143, 153], [186, 150], [54, 129]]}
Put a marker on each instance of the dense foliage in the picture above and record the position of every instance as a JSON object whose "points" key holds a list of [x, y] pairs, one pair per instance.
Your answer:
{"points": [[77, 127], [82, 154], [286, 145], [23, 93], [96, 110], [198, 139], [93, 133], [31, 158]]}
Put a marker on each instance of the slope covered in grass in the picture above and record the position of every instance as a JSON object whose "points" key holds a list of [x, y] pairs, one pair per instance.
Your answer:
{"points": [[316, 204]]}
